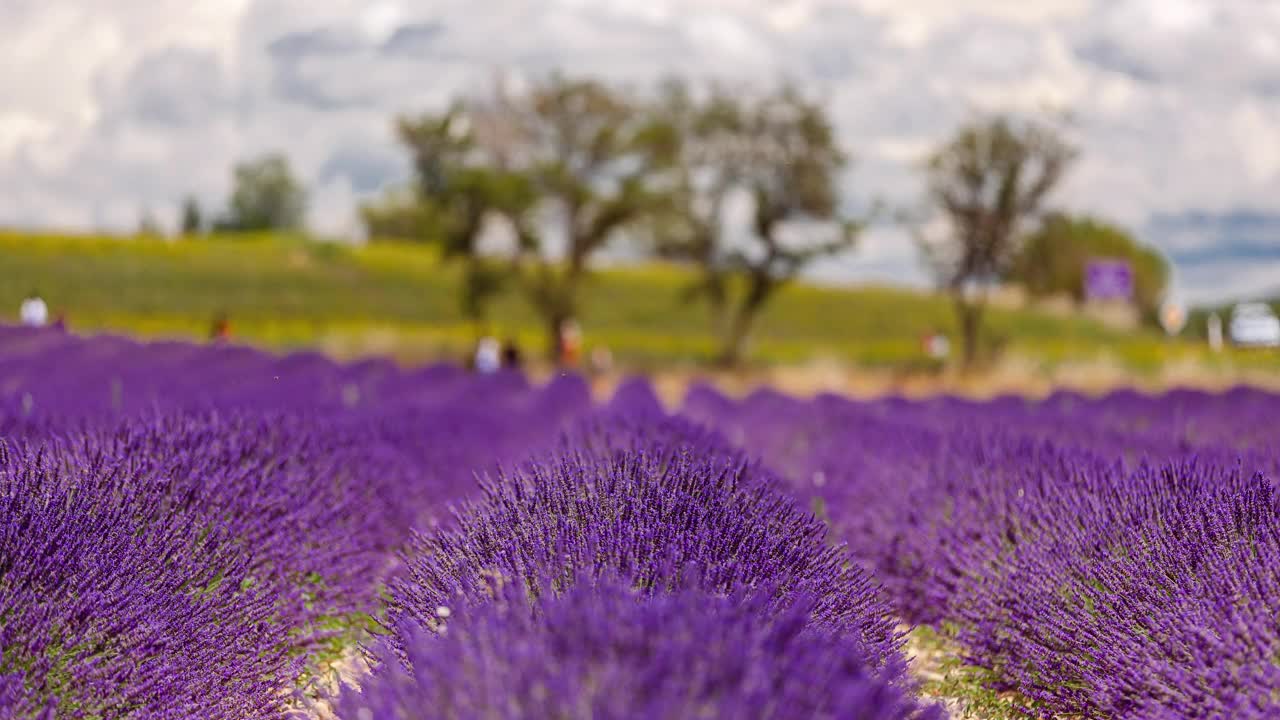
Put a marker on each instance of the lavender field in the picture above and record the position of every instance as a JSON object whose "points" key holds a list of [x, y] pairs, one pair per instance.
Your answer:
{"points": [[214, 532]]}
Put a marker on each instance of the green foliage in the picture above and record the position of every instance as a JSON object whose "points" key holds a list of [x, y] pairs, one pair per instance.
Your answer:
{"points": [[779, 150], [482, 280], [987, 180], [577, 147], [458, 185], [1053, 259], [401, 216], [593, 156], [458, 188], [265, 196]]}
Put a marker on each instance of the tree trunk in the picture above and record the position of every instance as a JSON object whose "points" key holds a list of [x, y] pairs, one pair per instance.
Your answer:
{"points": [[969, 314], [735, 338], [555, 322], [719, 311], [562, 304]]}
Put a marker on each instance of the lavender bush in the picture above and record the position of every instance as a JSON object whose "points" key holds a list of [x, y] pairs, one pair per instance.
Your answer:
{"points": [[188, 532], [650, 517], [1103, 558], [107, 611], [604, 649], [197, 531]]}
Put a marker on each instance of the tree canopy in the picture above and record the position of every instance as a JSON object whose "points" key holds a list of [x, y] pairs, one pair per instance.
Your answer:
{"points": [[987, 181], [265, 196], [778, 150], [1052, 259]]}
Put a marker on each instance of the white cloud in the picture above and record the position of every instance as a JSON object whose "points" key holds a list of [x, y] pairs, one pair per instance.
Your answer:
{"points": [[1256, 131], [381, 19]]}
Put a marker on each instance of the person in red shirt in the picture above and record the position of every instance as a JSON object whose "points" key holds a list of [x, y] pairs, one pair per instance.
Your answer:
{"points": [[221, 328], [570, 343]]}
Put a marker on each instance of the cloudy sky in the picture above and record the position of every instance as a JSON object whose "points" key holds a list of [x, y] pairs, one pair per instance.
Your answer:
{"points": [[110, 106]]}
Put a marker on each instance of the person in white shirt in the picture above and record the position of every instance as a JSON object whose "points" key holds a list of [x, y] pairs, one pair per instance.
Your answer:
{"points": [[34, 313], [1215, 332], [488, 355]]}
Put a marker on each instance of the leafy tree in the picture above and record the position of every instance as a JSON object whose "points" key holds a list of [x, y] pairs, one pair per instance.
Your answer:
{"points": [[1053, 259], [265, 197], [590, 158], [987, 181], [192, 221], [688, 226], [780, 151], [402, 216], [460, 185]]}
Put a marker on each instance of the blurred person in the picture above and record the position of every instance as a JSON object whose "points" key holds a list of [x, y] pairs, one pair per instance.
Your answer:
{"points": [[601, 360], [1215, 332], [488, 356], [221, 329], [1173, 317], [937, 345], [511, 356], [570, 343], [34, 312]]}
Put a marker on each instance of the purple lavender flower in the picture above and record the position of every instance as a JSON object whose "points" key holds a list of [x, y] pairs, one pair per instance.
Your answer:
{"points": [[651, 517], [1110, 557], [110, 611], [604, 649]]}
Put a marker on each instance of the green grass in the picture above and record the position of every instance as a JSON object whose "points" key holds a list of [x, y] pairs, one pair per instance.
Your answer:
{"points": [[286, 293], [967, 688]]}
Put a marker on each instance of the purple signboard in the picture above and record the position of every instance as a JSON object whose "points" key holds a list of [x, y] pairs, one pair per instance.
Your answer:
{"points": [[1106, 279]]}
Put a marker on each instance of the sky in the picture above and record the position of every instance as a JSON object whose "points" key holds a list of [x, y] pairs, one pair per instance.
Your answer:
{"points": [[110, 107]]}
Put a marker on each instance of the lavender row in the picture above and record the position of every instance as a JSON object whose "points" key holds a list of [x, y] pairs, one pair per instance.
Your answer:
{"points": [[196, 531], [1111, 557], [206, 542], [643, 569]]}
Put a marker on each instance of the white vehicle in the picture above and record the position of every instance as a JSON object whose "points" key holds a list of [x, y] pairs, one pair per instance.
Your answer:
{"points": [[1254, 325]]}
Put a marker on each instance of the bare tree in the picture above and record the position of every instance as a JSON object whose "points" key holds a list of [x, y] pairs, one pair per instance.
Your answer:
{"points": [[987, 180]]}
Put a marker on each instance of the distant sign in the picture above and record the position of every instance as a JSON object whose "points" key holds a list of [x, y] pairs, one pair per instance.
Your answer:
{"points": [[1107, 279]]}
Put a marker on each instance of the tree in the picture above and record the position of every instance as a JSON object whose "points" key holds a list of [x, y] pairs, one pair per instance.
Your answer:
{"points": [[780, 151], [265, 197], [402, 216], [1052, 260], [688, 227], [460, 184], [987, 181], [590, 157], [192, 221]]}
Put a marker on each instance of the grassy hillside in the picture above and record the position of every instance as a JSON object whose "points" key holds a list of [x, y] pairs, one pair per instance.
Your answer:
{"points": [[401, 300]]}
